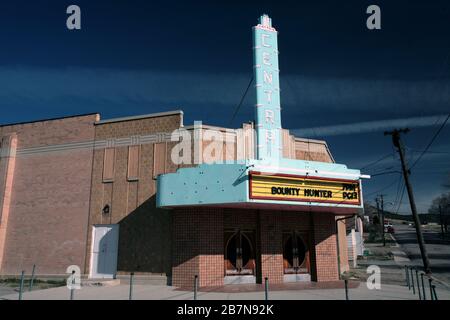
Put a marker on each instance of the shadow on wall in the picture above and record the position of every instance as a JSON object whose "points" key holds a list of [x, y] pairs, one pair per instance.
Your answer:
{"points": [[145, 240]]}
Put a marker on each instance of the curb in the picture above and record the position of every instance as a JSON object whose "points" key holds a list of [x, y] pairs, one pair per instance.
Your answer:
{"points": [[400, 256]]}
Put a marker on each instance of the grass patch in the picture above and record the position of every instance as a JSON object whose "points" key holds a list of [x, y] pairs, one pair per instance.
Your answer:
{"points": [[37, 283]]}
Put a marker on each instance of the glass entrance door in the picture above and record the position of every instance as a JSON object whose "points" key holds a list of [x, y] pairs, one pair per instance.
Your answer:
{"points": [[295, 253], [239, 253]]}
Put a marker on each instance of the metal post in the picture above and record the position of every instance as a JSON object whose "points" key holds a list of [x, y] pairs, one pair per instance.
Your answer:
{"points": [[131, 286], [266, 288], [346, 289], [377, 200], [418, 284], [423, 287], [431, 288], [21, 284], [72, 289], [412, 281], [434, 292], [195, 286], [407, 278], [32, 278], [382, 219]]}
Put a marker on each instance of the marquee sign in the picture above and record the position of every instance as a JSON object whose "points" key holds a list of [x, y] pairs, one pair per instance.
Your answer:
{"points": [[286, 187], [267, 84]]}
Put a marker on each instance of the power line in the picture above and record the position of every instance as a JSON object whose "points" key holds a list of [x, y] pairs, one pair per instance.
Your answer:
{"points": [[240, 102], [430, 151], [382, 189], [383, 173], [377, 161], [431, 142]]}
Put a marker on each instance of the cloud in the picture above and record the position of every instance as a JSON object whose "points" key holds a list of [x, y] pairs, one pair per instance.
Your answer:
{"points": [[369, 126], [300, 95]]}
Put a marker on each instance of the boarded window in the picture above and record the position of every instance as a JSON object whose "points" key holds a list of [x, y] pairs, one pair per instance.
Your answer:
{"points": [[133, 163], [108, 165], [159, 159]]}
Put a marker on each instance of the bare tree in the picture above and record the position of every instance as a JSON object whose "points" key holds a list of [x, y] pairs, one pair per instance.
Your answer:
{"points": [[446, 184], [441, 206]]}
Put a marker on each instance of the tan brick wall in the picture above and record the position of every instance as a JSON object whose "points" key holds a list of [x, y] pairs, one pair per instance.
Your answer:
{"points": [[57, 197], [49, 208], [293, 148], [271, 247], [8, 145], [144, 230], [314, 150], [326, 247], [199, 247], [343, 250], [53, 132], [136, 127]]}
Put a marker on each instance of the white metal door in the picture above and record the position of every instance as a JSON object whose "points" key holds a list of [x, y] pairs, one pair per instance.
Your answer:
{"points": [[104, 251]]}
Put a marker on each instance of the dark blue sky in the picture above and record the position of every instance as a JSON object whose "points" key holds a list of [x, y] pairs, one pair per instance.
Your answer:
{"points": [[135, 57]]}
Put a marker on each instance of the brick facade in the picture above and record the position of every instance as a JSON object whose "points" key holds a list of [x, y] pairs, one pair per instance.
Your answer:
{"points": [[144, 230], [49, 196], [199, 248], [53, 191]]}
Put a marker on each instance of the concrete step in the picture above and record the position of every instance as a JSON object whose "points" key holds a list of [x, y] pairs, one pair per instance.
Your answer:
{"points": [[99, 282], [146, 279]]}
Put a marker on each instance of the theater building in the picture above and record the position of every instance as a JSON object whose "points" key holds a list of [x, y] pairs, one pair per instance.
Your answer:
{"points": [[149, 195]]}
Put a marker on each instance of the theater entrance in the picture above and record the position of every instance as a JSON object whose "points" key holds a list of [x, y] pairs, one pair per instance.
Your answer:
{"points": [[240, 266], [296, 256]]}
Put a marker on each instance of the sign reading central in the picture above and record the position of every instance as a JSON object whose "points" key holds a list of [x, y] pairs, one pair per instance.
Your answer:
{"points": [[268, 114], [304, 188]]}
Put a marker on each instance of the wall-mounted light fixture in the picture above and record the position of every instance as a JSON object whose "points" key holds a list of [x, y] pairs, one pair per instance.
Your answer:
{"points": [[106, 209]]}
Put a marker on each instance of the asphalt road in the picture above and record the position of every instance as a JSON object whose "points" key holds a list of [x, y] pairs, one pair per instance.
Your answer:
{"points": [[438, 249]]}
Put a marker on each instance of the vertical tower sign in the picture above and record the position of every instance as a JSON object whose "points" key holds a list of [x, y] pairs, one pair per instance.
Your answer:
{"points": [[266, 75]]}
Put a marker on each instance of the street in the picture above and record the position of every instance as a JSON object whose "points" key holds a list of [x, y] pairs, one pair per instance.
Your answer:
{"points": [[438, 249]]}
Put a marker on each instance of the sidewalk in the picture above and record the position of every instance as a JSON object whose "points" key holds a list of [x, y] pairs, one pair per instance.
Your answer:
{"points": [[153, 292], [391, 260]]}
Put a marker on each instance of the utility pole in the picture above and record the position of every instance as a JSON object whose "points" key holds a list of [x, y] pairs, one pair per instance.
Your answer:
{"points": [[378, 209], [442, 221], [382, 219], [380, 202], [398, 144]]}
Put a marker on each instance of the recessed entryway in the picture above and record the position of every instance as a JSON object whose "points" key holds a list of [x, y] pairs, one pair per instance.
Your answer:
{"points": [[296, 259], [240, 262]]}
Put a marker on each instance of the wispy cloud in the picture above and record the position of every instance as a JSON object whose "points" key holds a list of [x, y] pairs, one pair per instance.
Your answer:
{"points": [[369, 126], [303, 95]]}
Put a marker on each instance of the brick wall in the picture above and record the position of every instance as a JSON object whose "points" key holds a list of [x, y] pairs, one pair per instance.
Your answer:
{"points": [[8, 145], [326, 247], [49, 206], [58, 194], [198, 247], [343, 250], [144, 230]]}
